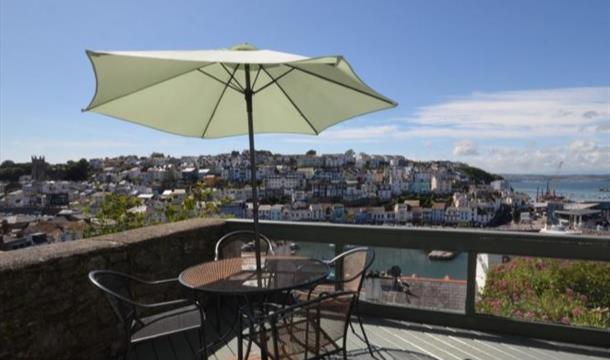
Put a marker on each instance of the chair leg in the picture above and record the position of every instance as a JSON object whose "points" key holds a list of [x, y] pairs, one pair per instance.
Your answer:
{"points": [[203, 346], [366, 339], [249, 348], [351, 327], [240, 346], [240, 339], [217, 301], [127, 348]]}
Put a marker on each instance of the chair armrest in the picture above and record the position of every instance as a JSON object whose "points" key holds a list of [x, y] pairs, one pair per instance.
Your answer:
{"points": [[156, 305], [151, 282], [173, 304], [311, 290], [323, 296], [157, 282]]}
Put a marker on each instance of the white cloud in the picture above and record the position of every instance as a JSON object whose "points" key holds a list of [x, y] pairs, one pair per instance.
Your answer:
{"points": [[564, 124], [97, 144], [516, 114], [604, 127], [578, 157], [465, 148], [361, 133], [496, 115]]}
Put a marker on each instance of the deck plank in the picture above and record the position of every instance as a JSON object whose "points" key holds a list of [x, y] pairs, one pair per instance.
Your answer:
{"points": [[397, 340], [461, 348]]}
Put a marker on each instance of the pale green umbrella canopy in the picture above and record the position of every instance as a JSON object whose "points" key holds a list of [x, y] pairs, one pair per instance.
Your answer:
{"points": [[201, 93], [217, 93]]}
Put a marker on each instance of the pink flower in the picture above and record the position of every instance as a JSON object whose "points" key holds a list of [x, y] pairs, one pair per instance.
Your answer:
{"points": [[565, 320], [502, 284], [577, 311]]}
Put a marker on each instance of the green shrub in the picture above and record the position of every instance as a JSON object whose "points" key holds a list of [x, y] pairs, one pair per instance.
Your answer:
{"points": [[561, 291]]}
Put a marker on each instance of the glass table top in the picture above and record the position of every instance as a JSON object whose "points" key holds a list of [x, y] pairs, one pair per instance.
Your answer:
{"points": [[239, 276]]}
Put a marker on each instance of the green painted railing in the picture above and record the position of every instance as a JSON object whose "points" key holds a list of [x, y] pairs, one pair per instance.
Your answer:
{"points": [[471, 241]]}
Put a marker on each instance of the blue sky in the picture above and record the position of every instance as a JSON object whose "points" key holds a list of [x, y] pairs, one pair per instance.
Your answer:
{"points": [[511, 86]]}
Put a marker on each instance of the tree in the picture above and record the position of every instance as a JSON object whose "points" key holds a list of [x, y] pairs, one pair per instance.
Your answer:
{"points": [[11, 171], [77, 171], [311, 153], [113, 215], [201, 192], [516, 216], [7, 164], [478, 176], [169, 179]]}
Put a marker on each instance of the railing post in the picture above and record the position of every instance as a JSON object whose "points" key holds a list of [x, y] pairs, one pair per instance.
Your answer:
{"points": [[339, 266], [471, 283]]}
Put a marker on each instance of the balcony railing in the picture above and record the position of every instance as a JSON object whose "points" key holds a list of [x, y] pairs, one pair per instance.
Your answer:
{"points": [[472, 242]]}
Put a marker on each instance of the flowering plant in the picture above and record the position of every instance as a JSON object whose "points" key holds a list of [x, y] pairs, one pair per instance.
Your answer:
{"points": [[541, 289]]}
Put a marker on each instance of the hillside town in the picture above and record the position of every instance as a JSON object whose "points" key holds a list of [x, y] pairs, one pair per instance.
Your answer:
{"points": [[115, 194]]}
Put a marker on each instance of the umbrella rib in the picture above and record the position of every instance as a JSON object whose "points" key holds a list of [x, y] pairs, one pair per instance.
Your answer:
{"points": [[341, 84], [218, 103], [235, 80], [220, 81], [273, 80], [256, 77], [142, 88], [289, 99]]}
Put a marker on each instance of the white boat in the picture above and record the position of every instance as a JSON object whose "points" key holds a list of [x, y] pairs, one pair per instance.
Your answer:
{"points": [[559, 230]]}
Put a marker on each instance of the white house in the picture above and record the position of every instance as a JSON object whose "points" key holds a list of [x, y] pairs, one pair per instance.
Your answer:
{"points": [[441, 184], [402, 214]]}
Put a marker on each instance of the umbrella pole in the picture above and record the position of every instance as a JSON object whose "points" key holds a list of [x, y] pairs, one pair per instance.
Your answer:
{"points": [[248, 95]]}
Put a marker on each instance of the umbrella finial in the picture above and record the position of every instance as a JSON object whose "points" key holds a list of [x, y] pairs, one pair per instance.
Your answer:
{"points": [[243, 47]]}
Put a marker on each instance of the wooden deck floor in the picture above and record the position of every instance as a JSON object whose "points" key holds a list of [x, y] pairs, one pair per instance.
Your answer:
{"points": [[399, 340]]}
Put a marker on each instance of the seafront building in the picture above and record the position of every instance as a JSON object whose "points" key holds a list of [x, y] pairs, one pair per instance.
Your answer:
{"points": [[340, 188]]}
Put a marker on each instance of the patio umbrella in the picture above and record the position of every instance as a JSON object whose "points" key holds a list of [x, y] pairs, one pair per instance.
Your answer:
{"points": [[237, 91]]}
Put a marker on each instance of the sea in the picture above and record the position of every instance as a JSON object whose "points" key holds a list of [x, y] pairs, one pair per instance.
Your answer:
{"points": [[410, 261], [577, 188]]}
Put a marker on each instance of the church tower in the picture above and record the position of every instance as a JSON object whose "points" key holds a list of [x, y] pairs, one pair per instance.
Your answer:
{"points": [[38, 168]]}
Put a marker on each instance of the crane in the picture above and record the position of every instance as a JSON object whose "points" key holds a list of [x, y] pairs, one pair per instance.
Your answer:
{"points": [[553, 178]]}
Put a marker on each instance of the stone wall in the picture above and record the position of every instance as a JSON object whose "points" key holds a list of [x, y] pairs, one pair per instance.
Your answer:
{"points": [[48, 308]]}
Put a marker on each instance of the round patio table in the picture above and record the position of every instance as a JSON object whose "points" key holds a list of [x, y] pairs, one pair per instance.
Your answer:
{"points": [[238, 277]]}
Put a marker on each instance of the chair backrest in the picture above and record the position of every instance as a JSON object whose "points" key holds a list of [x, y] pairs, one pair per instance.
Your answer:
{"points": [[231, 245], [119, 293], [312, 329], [354, 264]]}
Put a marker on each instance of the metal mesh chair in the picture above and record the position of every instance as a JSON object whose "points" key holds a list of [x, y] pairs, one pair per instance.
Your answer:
{"points": [[310, 330], [234, 243], [161, 319], [350, 268]]}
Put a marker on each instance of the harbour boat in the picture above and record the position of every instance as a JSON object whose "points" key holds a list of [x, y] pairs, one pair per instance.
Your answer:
{"points": [[559, 230], [440, 255], [248, 247]]}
